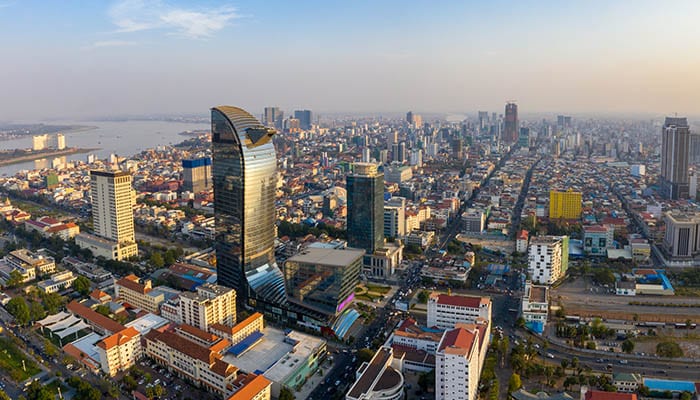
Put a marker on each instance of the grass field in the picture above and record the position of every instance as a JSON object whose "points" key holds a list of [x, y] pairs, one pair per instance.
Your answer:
{"points": [[11, 361]]}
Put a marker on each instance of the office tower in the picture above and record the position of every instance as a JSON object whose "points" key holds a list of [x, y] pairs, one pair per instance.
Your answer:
{"points": [[395, 152], [305, 119], [566, 205], [196, 174], [366, 155], [365, 197], [548, 258], [245, 170], [457, 146], [524, 138], [273, 117], [675, 145], [112, 216], [392, 137], [682, 237], [414, 120], [483, 120], [323, 279], [402, 152], [416, 158], [292, 125], [383, 156], [510, 130]]}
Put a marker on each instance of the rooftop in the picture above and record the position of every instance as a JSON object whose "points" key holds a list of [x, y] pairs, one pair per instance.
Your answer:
{"points": [[461, 301], [374, 368], [327, 256], [251, 389]]}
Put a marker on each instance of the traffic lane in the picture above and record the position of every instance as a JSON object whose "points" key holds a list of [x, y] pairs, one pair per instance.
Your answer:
{"points": [[646, 368]]}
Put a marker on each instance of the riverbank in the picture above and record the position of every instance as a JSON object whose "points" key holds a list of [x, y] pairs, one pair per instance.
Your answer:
{"points": [[20, 156]]}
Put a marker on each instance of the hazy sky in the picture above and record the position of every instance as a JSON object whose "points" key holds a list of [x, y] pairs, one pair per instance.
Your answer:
{"points": [[76, 58]]}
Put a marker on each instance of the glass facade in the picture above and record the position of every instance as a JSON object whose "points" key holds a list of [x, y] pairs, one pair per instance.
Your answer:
{"points": [[244, 171], [323, 279], [365, 219]]}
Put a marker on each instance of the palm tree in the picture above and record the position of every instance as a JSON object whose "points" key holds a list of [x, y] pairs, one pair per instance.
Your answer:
{"points": [[564, 364]]}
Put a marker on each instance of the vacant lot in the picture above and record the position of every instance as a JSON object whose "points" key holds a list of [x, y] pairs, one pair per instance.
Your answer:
{"points": [[11, 362], [584, 298]]}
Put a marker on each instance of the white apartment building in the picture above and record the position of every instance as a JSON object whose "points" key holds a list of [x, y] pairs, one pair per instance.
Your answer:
{"points": [[211, 304], [112, 214], [545, 259], [459, 360], [395, 218], [445, 311], [120, 351], [534, 306]]}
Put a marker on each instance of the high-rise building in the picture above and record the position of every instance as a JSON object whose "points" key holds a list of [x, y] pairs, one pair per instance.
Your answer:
{"points": [[483, 120], [273, 117], [305, 118], [548, 258], [524, 138], [211, 304], [510, 128], [566, 205], [458, 361], [675, 146], [113, 199], [323, 279], [395, 218], [245, 175], [196, 174], [365, 198]]}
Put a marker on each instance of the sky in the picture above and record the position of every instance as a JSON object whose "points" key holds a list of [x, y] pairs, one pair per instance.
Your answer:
{"points": [[81, 59]]}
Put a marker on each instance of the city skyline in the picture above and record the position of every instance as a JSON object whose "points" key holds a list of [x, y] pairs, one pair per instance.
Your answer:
{"points": [[160, 57]]}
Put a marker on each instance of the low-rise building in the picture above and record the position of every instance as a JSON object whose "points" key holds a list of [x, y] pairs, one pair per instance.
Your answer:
{"points": [[598, 239], [534, 306], [627, 382], [445, 311], [29, 264], [182, 352], [252, 387], [423, 239], [58, 281], [142, 295], [377, 379]]}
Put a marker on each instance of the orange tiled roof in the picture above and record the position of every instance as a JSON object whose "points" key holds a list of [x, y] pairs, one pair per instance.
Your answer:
{"points": [[118, 338], [251, 389]]}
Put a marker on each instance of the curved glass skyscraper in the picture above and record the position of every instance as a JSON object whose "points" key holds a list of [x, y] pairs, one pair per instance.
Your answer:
{"points": [[244, 167]]}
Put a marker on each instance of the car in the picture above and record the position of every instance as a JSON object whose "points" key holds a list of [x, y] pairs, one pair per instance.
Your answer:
{"points": [[337, 383], [550, 355], [623, 361]]}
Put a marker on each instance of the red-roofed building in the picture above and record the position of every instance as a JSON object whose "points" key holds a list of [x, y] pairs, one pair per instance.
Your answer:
{"points": [[444, 311], [97, 321], [254, 387], [521, 241], [120, 351], [600, 395], [459, 360]]}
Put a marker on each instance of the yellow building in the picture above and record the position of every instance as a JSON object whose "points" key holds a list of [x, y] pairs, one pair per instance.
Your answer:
{"points": [[566, 205]]}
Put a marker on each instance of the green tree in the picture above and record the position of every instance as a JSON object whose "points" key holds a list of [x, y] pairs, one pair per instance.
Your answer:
{"points": [[36, 311], [286, 394], [365, 355], [103, 309], [604, 276], [15, 280], [81, 285], [423, 296], [520, 322], [157, 259], [514, 383], [669, 348], [19, 309], [627, 346], [3, 395], [37, 391], [52, 302], [686, 396], [644, 391], [129, 382]]}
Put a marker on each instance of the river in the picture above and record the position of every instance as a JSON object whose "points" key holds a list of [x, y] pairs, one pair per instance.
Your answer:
{"points": [[123, 138]]}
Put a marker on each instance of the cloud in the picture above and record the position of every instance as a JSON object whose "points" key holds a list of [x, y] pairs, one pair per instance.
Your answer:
{"points": [[139, 15], [109, 43]]}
